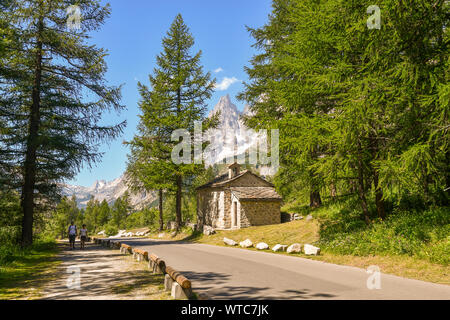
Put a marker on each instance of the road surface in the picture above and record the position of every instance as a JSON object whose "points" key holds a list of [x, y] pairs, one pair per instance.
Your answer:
{"points": [[98, 273], [232, 273]]}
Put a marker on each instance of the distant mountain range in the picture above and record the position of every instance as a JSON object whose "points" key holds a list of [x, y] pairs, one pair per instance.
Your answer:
{"points": [[109, 191], [230, 128]]}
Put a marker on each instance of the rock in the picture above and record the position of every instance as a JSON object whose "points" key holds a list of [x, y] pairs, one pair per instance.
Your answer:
{"points": [[173, 234], [246, 243], [229, 242], [207, 230], [279, 247], [262, 246], [297, 217], [171, 225], [311, 250], [309, 218], [294, 248], [161, 235], [102, 233]]}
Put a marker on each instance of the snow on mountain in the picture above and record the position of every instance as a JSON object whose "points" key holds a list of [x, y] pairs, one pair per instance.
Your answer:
{"points": [[109, 191], [231, 137]]}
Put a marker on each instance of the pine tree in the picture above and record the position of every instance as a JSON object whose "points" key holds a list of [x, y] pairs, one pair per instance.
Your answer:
{"points": [[52, 128], [120, 210], [176, 100]]}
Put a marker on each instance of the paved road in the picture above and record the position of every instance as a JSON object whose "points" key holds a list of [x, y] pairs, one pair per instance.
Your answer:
{"points": [[232, 273]]}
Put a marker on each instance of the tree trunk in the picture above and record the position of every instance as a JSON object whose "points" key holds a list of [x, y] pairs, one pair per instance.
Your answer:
{"points": [[178, 202], [379, 197], [161, 220], [314, 195], [361, 189], [447, 178], [29, 173], [314, 199], [378, 191], [333, 191]]}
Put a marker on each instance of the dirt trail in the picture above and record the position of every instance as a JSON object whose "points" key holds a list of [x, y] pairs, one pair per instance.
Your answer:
{"points": [[105, 274]]}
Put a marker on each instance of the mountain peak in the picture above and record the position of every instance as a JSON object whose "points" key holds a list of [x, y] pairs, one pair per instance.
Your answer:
{"points": [[225, 106], [225, 99]]}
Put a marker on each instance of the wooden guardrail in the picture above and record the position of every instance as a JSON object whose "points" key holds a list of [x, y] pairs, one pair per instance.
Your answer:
{"points": [[174, 281], [140, 254], [179, 278], [125, 248]]}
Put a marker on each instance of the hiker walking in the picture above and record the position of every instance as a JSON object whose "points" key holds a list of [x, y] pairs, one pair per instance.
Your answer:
{"points": [[83, 236], [72, 235]]}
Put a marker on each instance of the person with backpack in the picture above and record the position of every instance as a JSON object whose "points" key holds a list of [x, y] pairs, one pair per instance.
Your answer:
{"points": [[72, 235]]}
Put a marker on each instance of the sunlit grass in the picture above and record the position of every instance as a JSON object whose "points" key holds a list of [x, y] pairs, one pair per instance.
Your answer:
{"points": [[23, 277]]}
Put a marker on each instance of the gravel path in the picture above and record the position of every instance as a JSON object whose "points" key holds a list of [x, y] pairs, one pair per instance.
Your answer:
{"points": [[104, 274]]}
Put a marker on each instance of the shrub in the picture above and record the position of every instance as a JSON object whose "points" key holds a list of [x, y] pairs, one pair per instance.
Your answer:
{"points": [[425, 234], [111, 230]]}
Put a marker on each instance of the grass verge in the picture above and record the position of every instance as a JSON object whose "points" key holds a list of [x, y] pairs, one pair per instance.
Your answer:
{"points": [[23, 272], [142, 285]]}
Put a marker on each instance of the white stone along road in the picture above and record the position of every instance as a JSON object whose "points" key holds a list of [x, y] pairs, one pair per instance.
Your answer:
{"points": [[232, 273]]}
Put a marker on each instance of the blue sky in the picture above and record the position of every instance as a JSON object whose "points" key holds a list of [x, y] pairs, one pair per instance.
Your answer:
{"points": [[132, 35]]}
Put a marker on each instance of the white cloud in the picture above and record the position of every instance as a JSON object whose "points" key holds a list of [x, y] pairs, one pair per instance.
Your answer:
{"points": [[218, 70], [226, 83]]}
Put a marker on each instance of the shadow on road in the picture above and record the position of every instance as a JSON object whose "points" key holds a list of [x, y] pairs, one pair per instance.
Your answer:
{"points": [[103, 275]]}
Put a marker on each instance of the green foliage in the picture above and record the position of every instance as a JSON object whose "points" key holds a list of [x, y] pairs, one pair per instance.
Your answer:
{"points": [[424, 234], [120, 210], [66, 212], [9, 253], [142, 218], [360, 112], [98, 216], [52, 97], [111, 229], [10, 218], [175, 100]]}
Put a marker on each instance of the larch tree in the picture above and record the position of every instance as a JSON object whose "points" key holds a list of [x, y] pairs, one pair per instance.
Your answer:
{"points": [[365, 109], [53, 98], [176, 99]]}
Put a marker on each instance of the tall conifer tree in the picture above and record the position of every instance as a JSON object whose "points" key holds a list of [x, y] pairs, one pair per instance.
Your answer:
{"points": [[51, 127], [175, 100], [364, 109]]}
